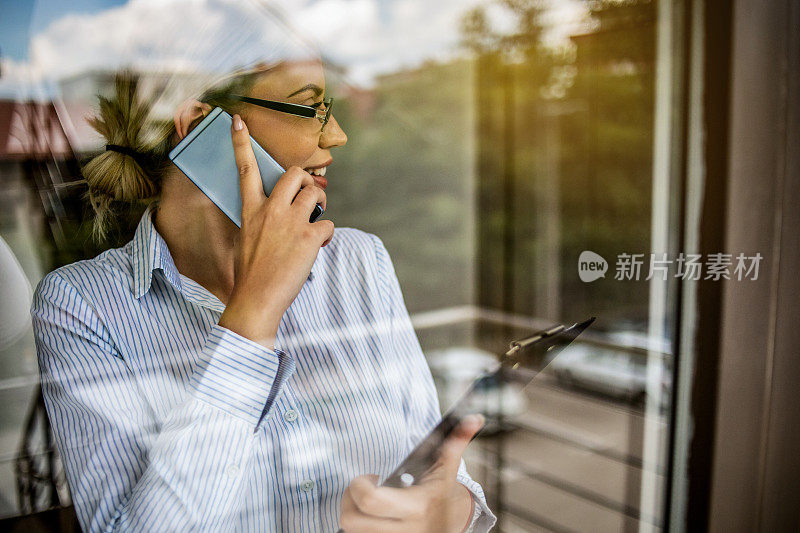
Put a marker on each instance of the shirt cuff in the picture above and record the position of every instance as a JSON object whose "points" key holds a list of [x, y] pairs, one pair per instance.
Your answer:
{"points": [[482, 518], [236, 374]]}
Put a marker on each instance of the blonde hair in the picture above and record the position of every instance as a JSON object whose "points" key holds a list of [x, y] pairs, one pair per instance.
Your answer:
{"points": [[135, 159], [136, 153]]}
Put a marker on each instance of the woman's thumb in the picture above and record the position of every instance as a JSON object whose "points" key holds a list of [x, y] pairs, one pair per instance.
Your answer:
{"points": [[457, 442]]}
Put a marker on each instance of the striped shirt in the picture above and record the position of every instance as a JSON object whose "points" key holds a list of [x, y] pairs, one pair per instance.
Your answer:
{"points": [[167, 421]]}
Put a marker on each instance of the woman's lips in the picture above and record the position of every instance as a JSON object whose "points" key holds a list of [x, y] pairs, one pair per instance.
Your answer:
{"points": [[321, 181], [318, 173], [325, 164]]}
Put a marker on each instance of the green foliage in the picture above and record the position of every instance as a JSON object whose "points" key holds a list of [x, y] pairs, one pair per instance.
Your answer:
{"points": [[560, 135], [403, 176]]}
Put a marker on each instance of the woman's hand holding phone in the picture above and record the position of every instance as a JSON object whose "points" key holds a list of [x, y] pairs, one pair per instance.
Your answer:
{"points": [[276, 247]]}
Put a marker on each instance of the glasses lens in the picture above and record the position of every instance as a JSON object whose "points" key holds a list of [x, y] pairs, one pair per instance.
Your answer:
{"points": [[328, 102]]}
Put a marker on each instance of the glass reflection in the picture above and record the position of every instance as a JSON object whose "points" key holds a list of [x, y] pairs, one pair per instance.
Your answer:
{"points": [[486, 171]]}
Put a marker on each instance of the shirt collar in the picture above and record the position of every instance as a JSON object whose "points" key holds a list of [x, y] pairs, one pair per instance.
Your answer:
{"points": [[150, 253]]}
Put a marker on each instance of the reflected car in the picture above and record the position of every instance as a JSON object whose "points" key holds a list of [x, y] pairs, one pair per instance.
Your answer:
{"points": [[454, 369], [613, 373]]}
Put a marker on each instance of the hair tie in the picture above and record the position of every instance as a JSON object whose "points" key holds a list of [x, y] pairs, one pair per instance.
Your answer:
{"points": [[139, 157]]}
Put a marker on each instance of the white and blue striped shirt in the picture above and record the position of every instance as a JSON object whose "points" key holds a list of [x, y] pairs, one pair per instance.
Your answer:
{"points": [[167, 421]]}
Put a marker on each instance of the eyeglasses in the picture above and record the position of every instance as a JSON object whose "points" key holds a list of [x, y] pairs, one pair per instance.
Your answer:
{"points": [[308, 111]]}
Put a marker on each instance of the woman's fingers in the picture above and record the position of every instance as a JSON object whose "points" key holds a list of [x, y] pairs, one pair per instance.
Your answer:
{"points": [[308, 197], [290, 184], [250, 185], [326, 228], [453, 448], [252, 190], [386, 502], [353, 520], [411, 503]]}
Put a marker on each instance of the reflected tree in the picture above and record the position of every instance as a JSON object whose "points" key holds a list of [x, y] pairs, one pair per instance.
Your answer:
{"points": [[565, 155]]}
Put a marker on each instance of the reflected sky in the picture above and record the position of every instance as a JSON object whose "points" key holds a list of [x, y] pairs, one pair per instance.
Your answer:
{"points": [[24, 17], [49, 39]]}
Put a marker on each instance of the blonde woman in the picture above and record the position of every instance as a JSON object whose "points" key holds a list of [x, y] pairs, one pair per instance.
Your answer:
{"points": [[204, 377]]}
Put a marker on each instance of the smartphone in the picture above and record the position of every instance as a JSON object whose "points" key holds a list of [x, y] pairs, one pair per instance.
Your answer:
{"points": [[206, 157]]}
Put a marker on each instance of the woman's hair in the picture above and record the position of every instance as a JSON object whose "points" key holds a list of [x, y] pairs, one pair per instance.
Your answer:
{"points": [[137, 146], [130, 168]]}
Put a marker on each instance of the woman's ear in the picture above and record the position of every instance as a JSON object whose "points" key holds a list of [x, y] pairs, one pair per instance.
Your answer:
{"points": [[187, 113]]}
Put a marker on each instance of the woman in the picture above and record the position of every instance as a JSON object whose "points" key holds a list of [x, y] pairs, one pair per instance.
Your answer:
{"points": [[204, 377]]}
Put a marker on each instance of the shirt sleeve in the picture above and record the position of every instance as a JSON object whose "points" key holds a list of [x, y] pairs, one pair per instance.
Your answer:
{"points": [[128, 469], [422, 407]]}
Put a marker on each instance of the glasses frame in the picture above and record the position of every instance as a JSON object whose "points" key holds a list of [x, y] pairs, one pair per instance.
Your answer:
{"points": [[307, 111]]}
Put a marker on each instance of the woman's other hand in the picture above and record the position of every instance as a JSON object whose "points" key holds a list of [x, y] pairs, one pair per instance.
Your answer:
{"points": [[438, 503], [277, 245]]}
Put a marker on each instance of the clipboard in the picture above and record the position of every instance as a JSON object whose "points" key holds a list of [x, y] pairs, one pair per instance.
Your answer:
{"points": [[523, 352]]}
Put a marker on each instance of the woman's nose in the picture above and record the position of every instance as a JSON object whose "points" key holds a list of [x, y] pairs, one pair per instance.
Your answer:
{"points": [[333, 135]]}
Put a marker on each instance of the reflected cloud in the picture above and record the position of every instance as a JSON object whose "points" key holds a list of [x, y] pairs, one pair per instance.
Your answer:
{"points": [[369, 37]]}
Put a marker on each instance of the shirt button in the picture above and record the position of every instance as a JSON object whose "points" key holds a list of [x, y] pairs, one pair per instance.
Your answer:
{"points": [[233, 470], [290, 415], [307, 485]]}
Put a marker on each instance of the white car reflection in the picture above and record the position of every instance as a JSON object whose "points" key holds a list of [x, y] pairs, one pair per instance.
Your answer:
{"points": [[616, 373], [453, 371]]}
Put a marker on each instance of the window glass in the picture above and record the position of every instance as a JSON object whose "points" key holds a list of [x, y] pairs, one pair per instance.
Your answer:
{"points": [[494, 146]]}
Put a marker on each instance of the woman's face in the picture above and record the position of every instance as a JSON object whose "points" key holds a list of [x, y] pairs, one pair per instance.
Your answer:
{"points": [[292, 140]]}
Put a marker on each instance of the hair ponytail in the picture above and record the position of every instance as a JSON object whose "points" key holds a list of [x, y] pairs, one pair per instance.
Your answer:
{"points": [[130, 168]]}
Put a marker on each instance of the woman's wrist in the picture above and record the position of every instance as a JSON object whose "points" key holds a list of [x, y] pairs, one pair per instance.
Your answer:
{"points": [[463, 508], [258, 325]]}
